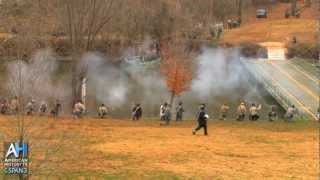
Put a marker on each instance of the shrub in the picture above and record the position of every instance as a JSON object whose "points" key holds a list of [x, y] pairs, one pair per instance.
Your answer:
{"points": [[252, 50], [303, 50]]}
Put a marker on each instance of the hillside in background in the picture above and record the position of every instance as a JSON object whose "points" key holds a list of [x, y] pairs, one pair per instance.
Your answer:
{"points": [[139, 20], [305, 30], [275, 27]]}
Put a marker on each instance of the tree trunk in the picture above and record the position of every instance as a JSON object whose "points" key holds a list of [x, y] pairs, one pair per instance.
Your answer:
{"points": [[240, 11], [293, 7], [307, 3], [75, 79], [172, 98]]}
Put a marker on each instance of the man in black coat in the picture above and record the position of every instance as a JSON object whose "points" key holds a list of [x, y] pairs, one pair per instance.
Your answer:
{"points": [[179, 112], [56, 109], [202, 121], [136, 112]]}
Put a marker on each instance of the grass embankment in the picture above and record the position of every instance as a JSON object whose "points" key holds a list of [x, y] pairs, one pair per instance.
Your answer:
{"points": [[310, 66], [121, 149]]}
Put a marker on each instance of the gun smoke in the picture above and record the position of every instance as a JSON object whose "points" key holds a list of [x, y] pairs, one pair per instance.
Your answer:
{"points": [[35, 79], [219, 78]]}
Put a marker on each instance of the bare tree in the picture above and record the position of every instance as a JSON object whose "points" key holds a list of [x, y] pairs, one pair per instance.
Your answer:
{"points": [[293, 7], [83, 20]]}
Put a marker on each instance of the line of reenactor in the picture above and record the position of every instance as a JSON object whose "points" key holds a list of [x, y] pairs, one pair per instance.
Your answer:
{"points": [[242, 111], [79, 110], [253, 112], [14, 107]]}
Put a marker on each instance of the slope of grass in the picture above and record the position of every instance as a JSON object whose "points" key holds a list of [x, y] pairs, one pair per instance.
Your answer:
{"points": [[309, 66]]}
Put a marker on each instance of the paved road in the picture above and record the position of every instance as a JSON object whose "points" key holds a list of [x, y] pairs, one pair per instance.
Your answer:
{"points": [[300, 87]]}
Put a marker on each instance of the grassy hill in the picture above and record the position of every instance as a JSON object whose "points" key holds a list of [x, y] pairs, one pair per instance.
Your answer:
{"points": [[281, 30], [275, 27]]}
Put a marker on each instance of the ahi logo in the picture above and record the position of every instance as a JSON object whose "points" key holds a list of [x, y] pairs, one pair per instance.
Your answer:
{"points": [[16, 158], [17, 150]]}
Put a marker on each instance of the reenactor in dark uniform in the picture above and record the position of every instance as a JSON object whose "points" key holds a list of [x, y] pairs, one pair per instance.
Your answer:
{"points": [[56, 109], [4, 107], [168, 114], [179, 112], [136, 112], [202, 118], [43, 108], [272, 115]]}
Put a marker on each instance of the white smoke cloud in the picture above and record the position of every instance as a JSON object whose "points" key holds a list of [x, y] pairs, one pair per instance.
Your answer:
{"points": [[218, 71], [107, 83], [117, 93], [34, 79], [219, 77]]}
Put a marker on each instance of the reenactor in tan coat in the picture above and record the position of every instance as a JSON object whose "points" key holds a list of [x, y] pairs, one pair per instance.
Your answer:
{"points": [[102, 111], [14, 105], [291, 112], [224, 109], [253, 112], [241, 111], [79, 109], [30, 107]]}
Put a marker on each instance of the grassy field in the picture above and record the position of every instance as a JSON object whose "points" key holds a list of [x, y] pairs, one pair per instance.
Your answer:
{"points": [[121, 149]]}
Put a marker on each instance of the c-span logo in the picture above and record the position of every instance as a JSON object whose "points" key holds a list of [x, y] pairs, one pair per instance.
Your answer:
{"points": [[16, 158]]}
